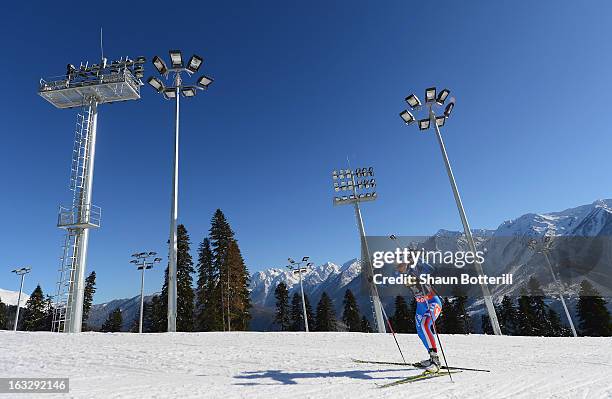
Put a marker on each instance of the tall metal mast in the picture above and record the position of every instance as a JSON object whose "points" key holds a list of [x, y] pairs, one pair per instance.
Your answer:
{"points": [[344, 180]]}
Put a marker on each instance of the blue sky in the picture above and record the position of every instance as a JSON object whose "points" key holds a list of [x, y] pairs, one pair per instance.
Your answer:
{"points": [[299, 86]]}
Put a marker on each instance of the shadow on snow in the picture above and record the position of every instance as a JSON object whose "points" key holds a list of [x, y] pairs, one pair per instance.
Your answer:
{"points": [[290, 377]]}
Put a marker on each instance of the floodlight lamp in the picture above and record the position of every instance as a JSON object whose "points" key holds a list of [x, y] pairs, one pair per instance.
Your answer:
{"points": [[413, 101], [407, 117], [176, 58], [352, 196], [424, 124], [392, 237], [291, 260], [135, 254], [364, 171], [194, 63], [152, 253], [371, 171], [170, 93], [156, 84], [205, 81], [449, 108], [134, 261], [160, 65], [157, 260], [305, 258], [189, 91], [430, 94], [440, 120], [140, 60], [442, 96]]}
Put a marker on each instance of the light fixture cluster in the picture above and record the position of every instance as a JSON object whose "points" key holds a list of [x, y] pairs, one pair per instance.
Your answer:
{"points": [[178, 66], [346, 180], [431, 100], [141, 260], [20, 271], [86, 72], [296, 267]]}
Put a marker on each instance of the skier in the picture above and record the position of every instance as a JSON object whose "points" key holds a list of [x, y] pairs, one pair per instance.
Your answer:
{"points": [[428, 309]]}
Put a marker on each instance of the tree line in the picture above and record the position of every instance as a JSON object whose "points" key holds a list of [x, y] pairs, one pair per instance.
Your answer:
{"points": [[290, 316], [528, 315]]}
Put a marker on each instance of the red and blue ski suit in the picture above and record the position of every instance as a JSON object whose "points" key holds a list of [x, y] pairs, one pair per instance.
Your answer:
{"points": [[428, 307]]}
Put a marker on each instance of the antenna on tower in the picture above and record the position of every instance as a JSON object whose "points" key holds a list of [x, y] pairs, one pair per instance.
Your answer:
{"points": [[102, 50]]}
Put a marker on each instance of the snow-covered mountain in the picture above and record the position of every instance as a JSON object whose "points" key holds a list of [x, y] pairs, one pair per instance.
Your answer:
{"points": [[506, 253], [10, 297], [130, 308]]}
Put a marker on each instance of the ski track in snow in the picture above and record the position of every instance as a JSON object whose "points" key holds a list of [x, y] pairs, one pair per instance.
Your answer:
{"points": [[299, 365]]}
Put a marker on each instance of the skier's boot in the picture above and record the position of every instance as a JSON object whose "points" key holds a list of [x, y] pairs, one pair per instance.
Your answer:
{"points": [[432, 364]]}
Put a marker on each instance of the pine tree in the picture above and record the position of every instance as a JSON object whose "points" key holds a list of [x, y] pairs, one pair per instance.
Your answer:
{"points": [[485, 324], [325, 317], [508, 316], [309, 313], [365, 325], [221, 235], [239, 297], [296, 314], [2, 315], [593, 315], [464, 325], [35, 311], [412, 316], [350, 315], [113, 322], [401, 318], [538, 308], [525, 317], [156, 314], [90, 289], [205, 287], [282, 318], [448, 321], [184, 282]]}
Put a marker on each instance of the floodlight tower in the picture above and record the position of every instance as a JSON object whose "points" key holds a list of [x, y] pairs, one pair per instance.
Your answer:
{"points": [[543, 247], [296, 267], [141, 260], [432, 102], [174, 92], [361, 191], [20, 272], [85, 87]]}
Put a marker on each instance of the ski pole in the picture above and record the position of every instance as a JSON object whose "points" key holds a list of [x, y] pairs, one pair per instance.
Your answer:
{"points": [[433, 320], [393, 333]]}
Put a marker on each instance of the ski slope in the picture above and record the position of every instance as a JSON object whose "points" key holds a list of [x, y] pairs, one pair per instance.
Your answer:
{"points": [[298, 365]]}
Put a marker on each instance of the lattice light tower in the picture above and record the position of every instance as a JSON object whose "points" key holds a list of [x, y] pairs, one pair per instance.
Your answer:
{"points": [[360, 185], [85, 87]]}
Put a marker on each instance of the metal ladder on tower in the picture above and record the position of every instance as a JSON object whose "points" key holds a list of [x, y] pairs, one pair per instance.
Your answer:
{"points": [[79, 213]]}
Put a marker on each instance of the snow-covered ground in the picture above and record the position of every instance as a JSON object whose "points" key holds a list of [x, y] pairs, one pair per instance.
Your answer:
{"points": [[299, 365]]}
